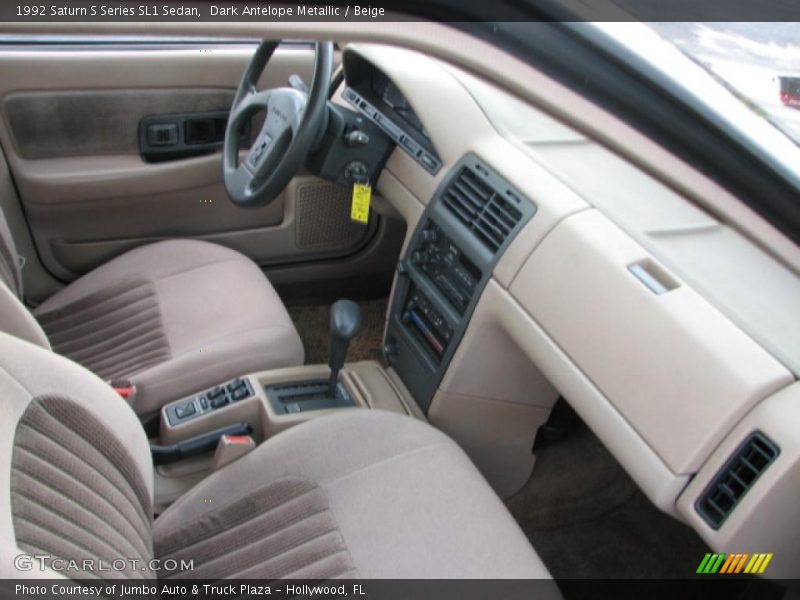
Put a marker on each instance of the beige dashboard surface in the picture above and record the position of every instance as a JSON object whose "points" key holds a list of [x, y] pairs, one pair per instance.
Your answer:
{"points": [[676, 371], [757, 292], [743, 280], [671, 363]]}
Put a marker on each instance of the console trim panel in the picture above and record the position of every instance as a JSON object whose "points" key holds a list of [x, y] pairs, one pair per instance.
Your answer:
{"points": [[445, 249]]}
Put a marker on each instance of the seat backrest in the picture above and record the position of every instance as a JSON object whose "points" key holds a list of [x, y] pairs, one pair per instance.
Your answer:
{"points": [[76, 477], [10, 272], [15, 318]]}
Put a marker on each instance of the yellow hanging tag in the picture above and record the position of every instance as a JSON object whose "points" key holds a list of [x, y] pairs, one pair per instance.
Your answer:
{"points": [[359, 211]]}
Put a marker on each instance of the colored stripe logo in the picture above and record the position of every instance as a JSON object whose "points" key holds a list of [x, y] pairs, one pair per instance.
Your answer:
{"points": [[737, 562]]}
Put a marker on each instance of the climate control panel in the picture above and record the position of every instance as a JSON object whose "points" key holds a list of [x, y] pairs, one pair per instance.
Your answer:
{"points": [[428, 324]]}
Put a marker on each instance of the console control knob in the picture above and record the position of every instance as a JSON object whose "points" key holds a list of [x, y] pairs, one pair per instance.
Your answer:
{"points": [[356, 172], [356, 138], [429, 235], [423, 257], [390, 350]]}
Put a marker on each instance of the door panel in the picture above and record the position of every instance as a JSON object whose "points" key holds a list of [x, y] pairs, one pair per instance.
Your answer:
{"points": [[57, 124], [70, 130], [70, 244]]}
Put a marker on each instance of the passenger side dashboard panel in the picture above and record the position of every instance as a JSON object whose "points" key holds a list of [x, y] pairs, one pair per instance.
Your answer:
{"points": [[680, 372]]}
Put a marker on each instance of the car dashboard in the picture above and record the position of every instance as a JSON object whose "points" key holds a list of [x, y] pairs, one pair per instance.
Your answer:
{"points": [[518, 285]]}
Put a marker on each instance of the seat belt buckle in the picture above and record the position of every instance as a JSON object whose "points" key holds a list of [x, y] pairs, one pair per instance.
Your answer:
{"points": [[231, 448], [124, 388]]}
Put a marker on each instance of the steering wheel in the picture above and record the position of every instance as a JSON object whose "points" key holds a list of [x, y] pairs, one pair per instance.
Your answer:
{"points": [[295, 120]]}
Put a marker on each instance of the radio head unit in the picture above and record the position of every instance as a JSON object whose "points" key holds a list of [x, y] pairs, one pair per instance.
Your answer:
{"points": [[444, 264]]}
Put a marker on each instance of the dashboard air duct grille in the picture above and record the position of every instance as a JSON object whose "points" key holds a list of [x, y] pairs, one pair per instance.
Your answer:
{"points": [[482, 209], [736, 478]]}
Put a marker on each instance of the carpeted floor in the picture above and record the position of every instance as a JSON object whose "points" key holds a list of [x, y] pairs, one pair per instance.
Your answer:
{"points": [[588, 519], [313, 325]]}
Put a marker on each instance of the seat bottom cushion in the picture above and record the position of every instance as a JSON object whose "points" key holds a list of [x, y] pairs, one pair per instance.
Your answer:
{"points": [[173, 318], [361, 494]]}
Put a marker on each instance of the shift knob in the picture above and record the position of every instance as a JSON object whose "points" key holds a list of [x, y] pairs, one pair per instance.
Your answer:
{"points": [[345, 325], [345, 320]]}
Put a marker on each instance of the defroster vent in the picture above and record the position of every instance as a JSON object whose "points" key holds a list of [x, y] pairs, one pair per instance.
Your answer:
{"points": [[491, 215], [736, 478]]}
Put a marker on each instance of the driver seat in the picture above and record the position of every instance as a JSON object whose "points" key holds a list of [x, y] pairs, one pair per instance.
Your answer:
{"points": [[170, 318]]}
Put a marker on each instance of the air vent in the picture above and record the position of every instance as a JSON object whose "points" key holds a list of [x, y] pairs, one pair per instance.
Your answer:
{"points": [[735, 479], [482, 209]]}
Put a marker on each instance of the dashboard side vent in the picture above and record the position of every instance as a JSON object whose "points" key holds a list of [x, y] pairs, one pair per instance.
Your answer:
{"points": [[736, 478], [482, 209]]}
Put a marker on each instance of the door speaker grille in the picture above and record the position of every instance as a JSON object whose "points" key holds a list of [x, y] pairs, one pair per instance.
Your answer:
{"points": [[323, 218]]}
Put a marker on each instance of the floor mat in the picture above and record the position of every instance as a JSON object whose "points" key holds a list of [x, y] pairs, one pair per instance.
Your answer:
{"points": [[313, 325], [587, 519]]}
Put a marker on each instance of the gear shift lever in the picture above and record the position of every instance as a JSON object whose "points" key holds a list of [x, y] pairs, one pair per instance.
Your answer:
{"points": [[345, 325]]}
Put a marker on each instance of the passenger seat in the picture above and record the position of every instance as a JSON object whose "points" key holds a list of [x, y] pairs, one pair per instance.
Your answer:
{"points": [[170, 318], [362, 494]]}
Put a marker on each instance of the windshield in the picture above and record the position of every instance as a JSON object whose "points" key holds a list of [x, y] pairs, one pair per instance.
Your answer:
{"points": [[759, 62]]}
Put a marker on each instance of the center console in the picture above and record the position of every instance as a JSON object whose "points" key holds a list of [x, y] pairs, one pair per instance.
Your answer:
{"points": [[215, 426], [269, 402], [468, 224]]}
